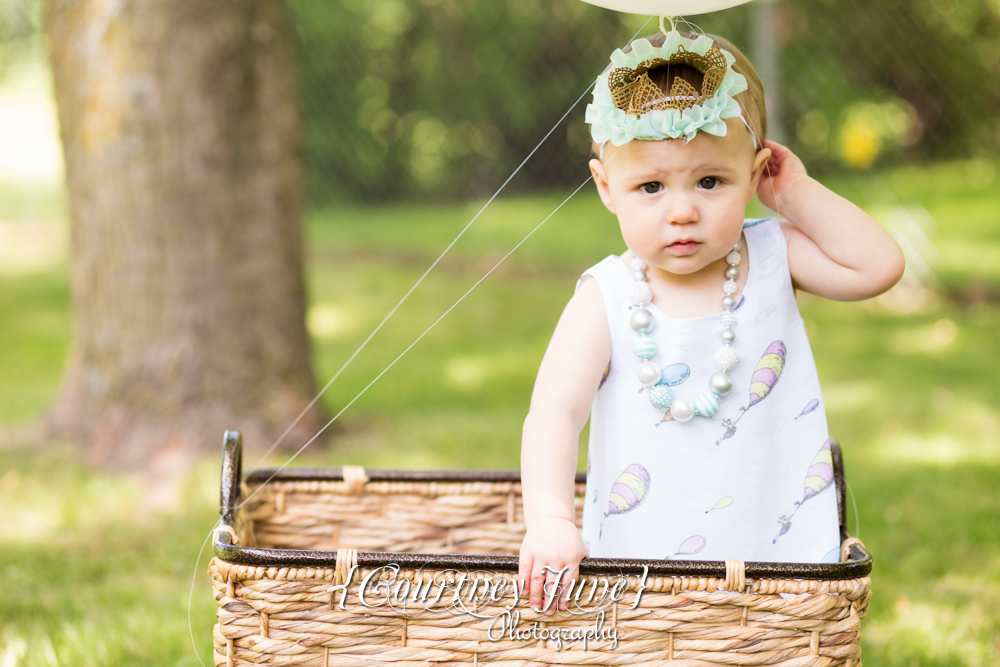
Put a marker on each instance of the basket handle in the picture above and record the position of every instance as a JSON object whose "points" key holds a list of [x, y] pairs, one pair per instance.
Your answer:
{"points": [[853, 549], [230, 493], [839, 482]]}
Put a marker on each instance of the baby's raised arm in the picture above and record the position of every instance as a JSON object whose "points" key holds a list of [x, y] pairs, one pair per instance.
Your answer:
{"points": [[835, 249], [567, 380]]}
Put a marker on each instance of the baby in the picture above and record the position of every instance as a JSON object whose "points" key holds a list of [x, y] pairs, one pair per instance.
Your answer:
{"points": [[706, 439]]}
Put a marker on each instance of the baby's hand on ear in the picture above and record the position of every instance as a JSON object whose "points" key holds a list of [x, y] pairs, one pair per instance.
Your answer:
{"points": [[777, 174]]}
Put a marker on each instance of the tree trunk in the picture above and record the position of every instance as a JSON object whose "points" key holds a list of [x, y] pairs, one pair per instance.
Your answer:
{"points": [[180, 128]]}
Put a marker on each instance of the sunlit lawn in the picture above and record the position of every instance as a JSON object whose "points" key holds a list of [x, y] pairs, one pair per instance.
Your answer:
{"points": [[92, 575]]}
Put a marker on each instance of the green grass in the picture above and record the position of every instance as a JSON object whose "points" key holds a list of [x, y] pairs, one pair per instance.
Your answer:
{"points": [[92, 575], [34, 335]]}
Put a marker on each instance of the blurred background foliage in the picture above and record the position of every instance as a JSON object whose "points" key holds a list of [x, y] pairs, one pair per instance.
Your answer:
{"points": [[439, 99], [414, 112]]}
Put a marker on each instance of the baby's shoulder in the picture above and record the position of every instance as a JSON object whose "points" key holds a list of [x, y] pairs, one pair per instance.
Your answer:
{"points": [[607, 269], [588, 296]]}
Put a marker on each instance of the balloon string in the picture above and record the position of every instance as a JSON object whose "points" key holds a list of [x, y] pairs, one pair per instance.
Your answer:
{"points": [[418, 339], [415, 285], [194, 576], [216, 524], [693, 27], [857, 521], [770, 179], [350, 359]]}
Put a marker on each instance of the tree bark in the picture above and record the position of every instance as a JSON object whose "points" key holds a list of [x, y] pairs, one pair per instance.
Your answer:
{"points": [[180, 128]]}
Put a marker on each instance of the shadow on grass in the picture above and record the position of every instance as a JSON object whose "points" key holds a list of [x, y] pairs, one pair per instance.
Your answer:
{"points": [[100, 581], [935, 534], [93, 577], [90, 576]]}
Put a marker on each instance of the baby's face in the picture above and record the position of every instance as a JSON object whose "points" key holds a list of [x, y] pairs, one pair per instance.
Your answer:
{"points": [[681, 205]]}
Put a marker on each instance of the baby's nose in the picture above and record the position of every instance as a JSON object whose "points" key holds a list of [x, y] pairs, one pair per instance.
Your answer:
{"points": [[681, 209]]}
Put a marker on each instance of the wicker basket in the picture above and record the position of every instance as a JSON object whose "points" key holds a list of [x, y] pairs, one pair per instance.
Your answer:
{"points": [[433, 553]]}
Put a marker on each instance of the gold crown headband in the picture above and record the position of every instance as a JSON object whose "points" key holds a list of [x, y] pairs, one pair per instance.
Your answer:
{"points": [[634, 92], [628, 105]]}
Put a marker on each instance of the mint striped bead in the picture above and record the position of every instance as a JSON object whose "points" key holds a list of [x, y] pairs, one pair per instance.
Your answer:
{"points": [[707, 404], [644, 347]]}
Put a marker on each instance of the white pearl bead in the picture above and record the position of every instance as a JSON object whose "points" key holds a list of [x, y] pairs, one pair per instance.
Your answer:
{"points": [[681, 410], [728, 320], [738, 246], [727, 336], [639, 276], [732, 272], [642, 321], [728, 302], [734, 258], [721, 383], [729, 287], [726, 358], [649, 372], [641, 294], [638, 265]]}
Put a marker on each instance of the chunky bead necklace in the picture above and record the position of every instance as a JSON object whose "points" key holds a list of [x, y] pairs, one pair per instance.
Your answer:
{"points": [[661, 396]]}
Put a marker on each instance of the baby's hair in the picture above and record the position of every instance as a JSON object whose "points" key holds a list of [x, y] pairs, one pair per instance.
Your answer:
{"points": [[751, 100]]}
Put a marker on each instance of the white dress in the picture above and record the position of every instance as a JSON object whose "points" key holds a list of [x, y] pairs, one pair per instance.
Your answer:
{"points": [[753, 482]]}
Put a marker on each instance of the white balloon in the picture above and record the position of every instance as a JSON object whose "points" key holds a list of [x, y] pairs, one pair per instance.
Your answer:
{"points": [[666, 7]]}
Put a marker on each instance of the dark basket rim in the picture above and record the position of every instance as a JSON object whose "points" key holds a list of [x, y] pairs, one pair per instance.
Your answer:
{"points": [[336, 474], [859, 565]]}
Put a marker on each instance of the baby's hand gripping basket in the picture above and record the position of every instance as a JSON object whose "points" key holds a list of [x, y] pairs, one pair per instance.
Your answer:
{"points": [[351, 566]]}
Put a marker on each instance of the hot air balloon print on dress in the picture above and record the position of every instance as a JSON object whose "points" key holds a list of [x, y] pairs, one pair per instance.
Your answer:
{"points": [[689, 547], [627, 493], [810, 407], [765, 376], [722, 504], [675, 374], [819, 478], [671, 376]]}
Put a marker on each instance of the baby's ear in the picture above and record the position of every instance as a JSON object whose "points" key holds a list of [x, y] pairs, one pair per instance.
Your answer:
{"points": [[760, 161], [601, 181]]}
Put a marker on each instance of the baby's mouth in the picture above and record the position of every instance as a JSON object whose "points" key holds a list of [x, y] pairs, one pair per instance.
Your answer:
{"points": [[683, 247]]}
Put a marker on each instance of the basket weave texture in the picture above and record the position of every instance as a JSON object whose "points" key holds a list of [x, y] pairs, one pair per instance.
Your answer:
{"points": [[273, 609]]}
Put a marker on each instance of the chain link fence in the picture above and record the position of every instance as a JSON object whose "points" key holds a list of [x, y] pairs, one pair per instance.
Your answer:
{"points": [[431, 99], [416, 100]]}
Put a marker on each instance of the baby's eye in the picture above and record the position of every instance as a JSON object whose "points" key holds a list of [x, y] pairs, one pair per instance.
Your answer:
{"points": [[709, 183], [651, 188]]}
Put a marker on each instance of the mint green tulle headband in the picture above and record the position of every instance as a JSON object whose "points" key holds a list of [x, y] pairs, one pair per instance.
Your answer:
{"points": [[627, 105]]}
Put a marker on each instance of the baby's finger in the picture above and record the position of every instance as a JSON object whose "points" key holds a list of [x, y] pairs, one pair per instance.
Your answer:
{"points": [[537, 585], [569, 581], [524, 574], [551, 592], [776, 148]]}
